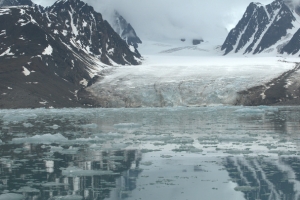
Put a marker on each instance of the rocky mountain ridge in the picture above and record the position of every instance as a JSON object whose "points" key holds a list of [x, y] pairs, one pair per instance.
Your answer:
{"points": [[270, 28], [48, 57]]}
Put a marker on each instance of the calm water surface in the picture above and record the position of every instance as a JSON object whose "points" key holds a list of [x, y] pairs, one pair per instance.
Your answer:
{"points": [[171, 153]]}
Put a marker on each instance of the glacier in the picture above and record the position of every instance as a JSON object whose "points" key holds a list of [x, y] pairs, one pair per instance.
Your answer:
{"points": [[185, 77]]}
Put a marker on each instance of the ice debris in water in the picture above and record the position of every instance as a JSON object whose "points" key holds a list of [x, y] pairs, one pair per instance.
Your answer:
{"points": [[18, 117], [11, 196], [188, 148], [68, 197], [54, 127], [181, 140], [27, 190], [249, 110], [27, 125], [245, 188], [42, 139], [53, 184], [75, 171], [89, 126], [127, 125], [71, 150]]}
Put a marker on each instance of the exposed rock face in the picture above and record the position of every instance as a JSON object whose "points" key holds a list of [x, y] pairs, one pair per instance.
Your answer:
{"points": [[16, 3], [263, 29], [293, 46], [197, 41], [125, 30], [48, 57]]}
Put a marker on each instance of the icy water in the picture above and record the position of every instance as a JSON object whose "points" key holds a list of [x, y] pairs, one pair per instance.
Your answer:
{"points": [[206, 153]]}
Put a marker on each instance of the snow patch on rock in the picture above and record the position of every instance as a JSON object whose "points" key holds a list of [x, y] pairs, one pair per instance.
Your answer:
{"points": [[48, 50], [25, 71]]}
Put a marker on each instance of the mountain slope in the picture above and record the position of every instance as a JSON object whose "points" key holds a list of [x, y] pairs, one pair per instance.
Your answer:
{"points": [[48, 58], [263, 29], [125, 30], [16, 3]]}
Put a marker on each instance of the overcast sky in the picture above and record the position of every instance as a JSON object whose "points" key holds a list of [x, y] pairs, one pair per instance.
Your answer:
{"points": [[175, 19]]}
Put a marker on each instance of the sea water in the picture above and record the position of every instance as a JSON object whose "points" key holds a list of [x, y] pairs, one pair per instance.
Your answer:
{"points": [[150, 153]]}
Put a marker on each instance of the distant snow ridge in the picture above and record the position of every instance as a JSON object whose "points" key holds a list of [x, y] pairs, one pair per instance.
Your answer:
{"points": [[125, 30], [270, 28]]}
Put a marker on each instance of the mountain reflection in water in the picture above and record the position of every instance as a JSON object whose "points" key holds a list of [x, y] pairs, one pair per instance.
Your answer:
{"points": [[171, 153]]}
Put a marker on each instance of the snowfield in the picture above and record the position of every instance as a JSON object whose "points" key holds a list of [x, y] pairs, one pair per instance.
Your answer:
{"points": [[181, 75]]}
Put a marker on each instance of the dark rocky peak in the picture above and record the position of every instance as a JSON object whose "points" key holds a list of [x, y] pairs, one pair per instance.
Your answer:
{"points": [[16, 3], [260, 28], [71, 5], [78, 24], [50, 56], [8, 3], [125, 30]]}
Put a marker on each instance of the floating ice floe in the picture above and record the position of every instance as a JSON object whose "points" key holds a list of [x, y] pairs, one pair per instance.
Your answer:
{"points": [[27, 125], [249, 111], [68, 197], [89, 126], [188, 148], [53, 184], [75, 171], [245, 188], [70, 151], [54, 127], [127, 125], [41, 139], [27, 190], [18, 117]]}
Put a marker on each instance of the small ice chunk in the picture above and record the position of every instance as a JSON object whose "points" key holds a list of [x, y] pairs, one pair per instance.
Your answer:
{"points": [[89, 126], [55, 126], [51, 184], [249, 110], [27, 125], [75, 171], [127, 125], [245, 188], [41, 139], [27, 190], [188, 148], [68, 197]]}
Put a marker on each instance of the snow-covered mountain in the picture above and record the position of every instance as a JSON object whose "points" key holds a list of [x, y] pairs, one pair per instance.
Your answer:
{"points": [[125, 30], [270, 28], [15, 3], [47, 56]]}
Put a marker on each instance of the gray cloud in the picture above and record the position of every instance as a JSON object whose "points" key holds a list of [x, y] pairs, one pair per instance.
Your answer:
{"points": [[175, 19]]}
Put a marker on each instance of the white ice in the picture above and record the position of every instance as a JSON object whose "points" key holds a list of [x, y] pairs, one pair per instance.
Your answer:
{"points": [[176, 75], [41, 139]]}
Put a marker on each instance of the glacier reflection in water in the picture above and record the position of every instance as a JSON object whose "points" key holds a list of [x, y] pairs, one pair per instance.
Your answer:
{"points": [[150, 153]]}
